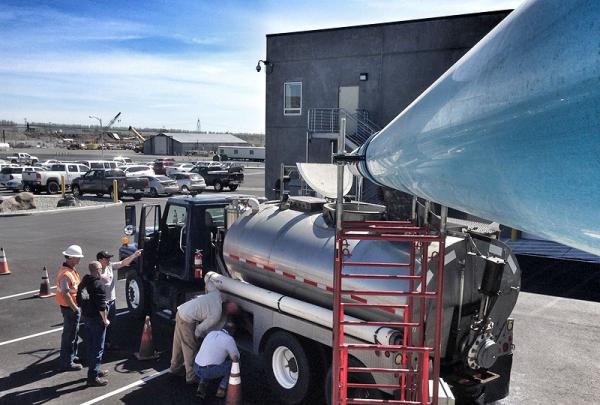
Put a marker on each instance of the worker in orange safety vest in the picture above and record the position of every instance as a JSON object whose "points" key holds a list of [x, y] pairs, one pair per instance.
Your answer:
{"points": [[67, 282]]}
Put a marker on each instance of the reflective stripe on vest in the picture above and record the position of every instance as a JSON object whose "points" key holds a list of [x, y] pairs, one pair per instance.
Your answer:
{"points": [[73, 279]]}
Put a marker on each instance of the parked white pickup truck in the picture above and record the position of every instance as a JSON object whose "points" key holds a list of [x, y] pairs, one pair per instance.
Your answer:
{"points": [[50, 180], [23, 159]]}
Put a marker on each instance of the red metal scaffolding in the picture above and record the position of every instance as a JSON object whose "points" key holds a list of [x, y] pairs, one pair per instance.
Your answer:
{"points": [[412, 386]]}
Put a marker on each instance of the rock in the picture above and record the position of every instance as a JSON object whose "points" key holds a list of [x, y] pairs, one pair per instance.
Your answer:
{"points": [[68, 201], [21, 201]]}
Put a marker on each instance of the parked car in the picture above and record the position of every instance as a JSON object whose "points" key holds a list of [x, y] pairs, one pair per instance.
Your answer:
{"points": [[15, 185], [50, 180], [99, 164], [138, 170], [16, 173], [161, 164], [219, 179], [23, 159], [100, 182], [179, 168], [47, 163], [122, 160], [162, 185], [189, 183]]}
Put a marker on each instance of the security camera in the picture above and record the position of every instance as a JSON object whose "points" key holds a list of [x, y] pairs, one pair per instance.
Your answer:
{"points": [[258, 67]]}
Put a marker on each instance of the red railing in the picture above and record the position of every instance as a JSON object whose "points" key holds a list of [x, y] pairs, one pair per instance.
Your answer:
{"points": [[412, 386]]}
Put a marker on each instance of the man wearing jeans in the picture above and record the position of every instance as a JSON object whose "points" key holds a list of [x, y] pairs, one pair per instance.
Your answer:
{"points": [[214, 359], [109, 279], [91, 297], [67, 282]]}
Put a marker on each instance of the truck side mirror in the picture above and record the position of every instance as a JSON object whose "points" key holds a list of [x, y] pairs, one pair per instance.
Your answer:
{"points": [[130, 215]]}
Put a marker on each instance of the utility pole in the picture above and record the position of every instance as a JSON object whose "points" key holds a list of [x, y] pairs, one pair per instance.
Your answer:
{"points": [[198, 126]]}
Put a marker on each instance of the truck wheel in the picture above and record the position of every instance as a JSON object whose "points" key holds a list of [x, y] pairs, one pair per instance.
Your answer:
{"points": [[289, 371], [99, 195], [53, 187], [27, 187], [185, 190], [137, 197], [360, 378], [153, 192], [76, 191], [233, 187], [135, 296], [218, 186], [13, 161]]}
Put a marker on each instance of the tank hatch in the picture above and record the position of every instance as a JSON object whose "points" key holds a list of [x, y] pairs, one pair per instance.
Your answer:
{"points": [[306, 203]]}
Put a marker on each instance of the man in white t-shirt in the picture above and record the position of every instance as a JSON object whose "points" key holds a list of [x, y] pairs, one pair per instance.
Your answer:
{"points": [[109, 279], [215, 357]]}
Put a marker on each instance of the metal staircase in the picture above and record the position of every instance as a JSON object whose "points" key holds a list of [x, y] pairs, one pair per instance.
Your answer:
{"points": [[415, 383], [325, 122]]}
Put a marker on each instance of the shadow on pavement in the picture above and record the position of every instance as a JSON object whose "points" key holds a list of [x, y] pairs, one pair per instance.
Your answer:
{"points": [[560, 278]]}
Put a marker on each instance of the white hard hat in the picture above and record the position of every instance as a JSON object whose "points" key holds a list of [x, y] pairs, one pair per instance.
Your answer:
{"points": [[73, 251]]}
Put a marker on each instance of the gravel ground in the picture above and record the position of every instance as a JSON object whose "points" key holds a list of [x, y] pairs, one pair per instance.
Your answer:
{"points": [[46, 203]]}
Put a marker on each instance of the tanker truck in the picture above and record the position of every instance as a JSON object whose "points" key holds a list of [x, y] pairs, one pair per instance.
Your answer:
{"points": [[275, 260], [509, 133]]}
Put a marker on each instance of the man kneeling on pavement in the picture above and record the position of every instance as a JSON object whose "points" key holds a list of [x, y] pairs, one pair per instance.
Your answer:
{"points": [[194, 319], [215, 357]]}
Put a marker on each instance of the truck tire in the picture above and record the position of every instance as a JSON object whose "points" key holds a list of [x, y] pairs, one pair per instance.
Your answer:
{"points": [[13, 161], [28, 188], [360, 378], [53, 187], [289, 371], [233, 187], [218, 185], [185, 190], [135, 295], [76, 191], [137, 197], [153, 192], [99, 195]]}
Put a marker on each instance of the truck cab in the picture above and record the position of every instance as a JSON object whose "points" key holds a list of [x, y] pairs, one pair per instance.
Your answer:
{"points": [[172, 239]]}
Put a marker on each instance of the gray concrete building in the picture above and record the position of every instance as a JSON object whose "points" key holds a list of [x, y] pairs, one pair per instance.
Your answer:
{"points": [[368, 73], [175, 143]]}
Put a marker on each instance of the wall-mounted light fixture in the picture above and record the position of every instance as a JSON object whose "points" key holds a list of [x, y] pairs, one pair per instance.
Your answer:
{"points": [[363, 77], [268, 66]]}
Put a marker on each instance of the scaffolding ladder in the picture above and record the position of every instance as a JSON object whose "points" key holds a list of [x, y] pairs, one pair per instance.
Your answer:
{"points": [[413, 383]]}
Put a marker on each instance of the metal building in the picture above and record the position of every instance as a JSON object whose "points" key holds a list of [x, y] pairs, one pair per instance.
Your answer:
{"points": [[171, 143], [368, 74]]}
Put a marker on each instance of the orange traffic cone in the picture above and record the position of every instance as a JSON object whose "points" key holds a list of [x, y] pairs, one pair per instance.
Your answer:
{"points": [[3, 263], [45, 285], [234, 391], [146, 351]]}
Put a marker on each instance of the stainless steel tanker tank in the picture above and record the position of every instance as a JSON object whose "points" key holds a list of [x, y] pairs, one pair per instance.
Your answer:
{"points": [[291, 252]]}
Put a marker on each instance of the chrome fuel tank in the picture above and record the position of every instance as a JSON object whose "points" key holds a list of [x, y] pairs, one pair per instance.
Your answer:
{"points": [[292, 252]]}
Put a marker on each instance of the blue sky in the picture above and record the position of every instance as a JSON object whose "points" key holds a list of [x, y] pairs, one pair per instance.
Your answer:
{"points": [[166, 63]]}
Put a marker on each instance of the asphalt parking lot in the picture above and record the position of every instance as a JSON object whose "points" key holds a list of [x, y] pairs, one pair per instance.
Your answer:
{"points": [[556, 329]]}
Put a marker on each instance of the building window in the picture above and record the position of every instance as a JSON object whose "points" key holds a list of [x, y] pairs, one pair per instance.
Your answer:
{"points": [[235, 151], [251, 152], [292, 98]]}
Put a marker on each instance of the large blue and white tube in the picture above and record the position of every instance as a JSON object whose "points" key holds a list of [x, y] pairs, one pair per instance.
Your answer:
{"points": [[511, 132]]}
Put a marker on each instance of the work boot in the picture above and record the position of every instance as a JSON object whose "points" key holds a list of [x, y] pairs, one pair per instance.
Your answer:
{"points": [[72, 367], [102, 373], [97, 382], [221, 392], [201, 391]]}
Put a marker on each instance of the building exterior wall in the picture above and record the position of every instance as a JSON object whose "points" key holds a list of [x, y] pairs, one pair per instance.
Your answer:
{"points": [[401, 59], [156, 144]]}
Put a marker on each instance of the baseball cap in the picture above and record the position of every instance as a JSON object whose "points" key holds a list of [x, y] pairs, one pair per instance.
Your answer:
{"points": [[103, 255]]}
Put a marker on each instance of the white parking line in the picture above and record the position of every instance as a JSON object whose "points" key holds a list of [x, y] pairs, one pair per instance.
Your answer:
{"points": [[46, 332], [23, 293], [30, 336], [125, 388]]}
